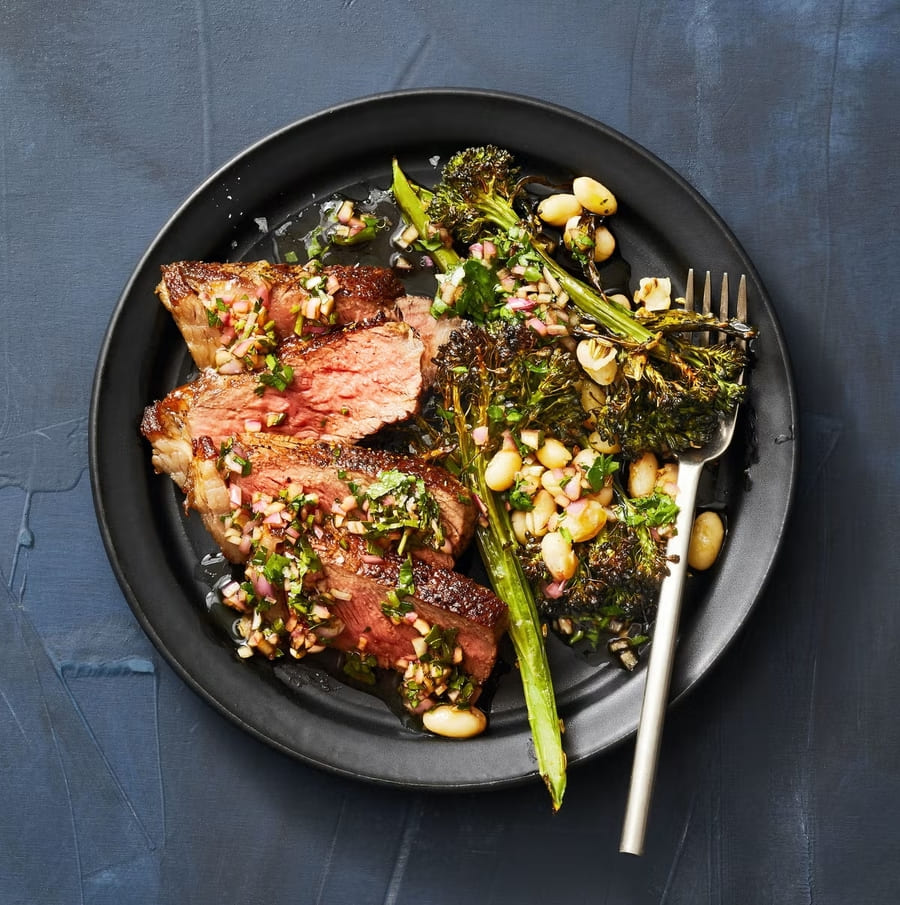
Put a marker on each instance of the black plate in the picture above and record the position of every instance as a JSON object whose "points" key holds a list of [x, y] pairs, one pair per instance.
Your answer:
{"points": [[663, 227]]}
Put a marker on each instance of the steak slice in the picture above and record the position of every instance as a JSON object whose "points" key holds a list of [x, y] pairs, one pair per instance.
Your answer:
{"points": [[441, 598], [232, 315], [366, 491], [433, 331], [346, 385], [349, 602], [311, 584]]}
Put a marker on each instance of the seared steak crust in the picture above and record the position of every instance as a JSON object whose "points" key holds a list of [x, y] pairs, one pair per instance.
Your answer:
{"points": [[442, 597], [205, 300]]}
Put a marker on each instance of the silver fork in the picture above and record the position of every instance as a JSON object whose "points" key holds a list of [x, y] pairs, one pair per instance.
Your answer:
{"points": [[662, 650]]}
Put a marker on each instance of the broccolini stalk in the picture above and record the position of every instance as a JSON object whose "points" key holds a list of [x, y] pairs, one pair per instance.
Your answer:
{"points": [[413, 202], [478, 188], [496, 543], [485, 386]]}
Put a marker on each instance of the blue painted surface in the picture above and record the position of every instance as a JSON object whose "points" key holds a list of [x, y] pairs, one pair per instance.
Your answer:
{"points": [[779, 780]]}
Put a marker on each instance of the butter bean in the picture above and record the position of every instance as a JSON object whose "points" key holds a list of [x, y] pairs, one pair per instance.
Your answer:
{"points": [[667, 477], [584, 521], [553, 454], [604, 243], [594, 196], [598, 359], [557, 210], [454, 722], [500, 472], [642, 475], [592, 395], [519, 521], [707, 536], [536, 519], [558, 555], [601, 444]]}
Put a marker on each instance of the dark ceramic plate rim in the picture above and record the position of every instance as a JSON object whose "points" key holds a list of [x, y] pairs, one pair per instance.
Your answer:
{"points": [[343, 731]]}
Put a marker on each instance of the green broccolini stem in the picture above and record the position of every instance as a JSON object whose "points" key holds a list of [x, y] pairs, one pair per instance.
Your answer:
{"points": [[414, 209], [496, 543], [614, 317]]}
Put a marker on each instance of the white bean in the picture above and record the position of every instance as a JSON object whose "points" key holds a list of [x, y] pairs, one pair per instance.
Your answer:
{"points": [[601, 444], [642, 475], [500, 472], [586, 522], [604, 243], [654, 293], [594, 196], [557, 210], [519, 520], [598, 359], [667, 477], [592, 396], [454, 722], [553, 454], [536, 519], [558, 555], [706, 540], [604, 495]]}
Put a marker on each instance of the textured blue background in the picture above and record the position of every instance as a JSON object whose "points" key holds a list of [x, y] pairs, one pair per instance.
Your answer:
{"points": [[779, 780]]}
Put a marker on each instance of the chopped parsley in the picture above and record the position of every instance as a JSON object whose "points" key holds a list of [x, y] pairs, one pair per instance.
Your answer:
{"points": [[277, 375]]}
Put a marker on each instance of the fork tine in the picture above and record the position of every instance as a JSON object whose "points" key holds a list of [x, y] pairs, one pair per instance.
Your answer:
{"points": [[723, 305], [723, 299], [705, 308], [689, 291], [741, 312]]}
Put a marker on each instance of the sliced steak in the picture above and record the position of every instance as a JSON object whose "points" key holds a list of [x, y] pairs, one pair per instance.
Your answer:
{"points": [[433, 331], [366, 491], [346, 385], [442, 598], [232, 315], [316, 584]]}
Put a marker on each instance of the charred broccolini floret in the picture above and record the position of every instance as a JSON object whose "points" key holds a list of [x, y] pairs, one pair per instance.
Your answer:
{"points": [[670, 393], [619, 570], [527, 383]]}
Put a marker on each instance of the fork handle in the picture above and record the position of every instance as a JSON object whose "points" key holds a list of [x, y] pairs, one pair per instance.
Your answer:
{"points": [[659, 669]]}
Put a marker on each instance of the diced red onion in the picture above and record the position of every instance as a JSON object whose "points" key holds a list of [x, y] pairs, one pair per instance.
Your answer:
{"points": [[242, 348], [537, 325], [263, 586], [235, 495], [371, 558], [520, 304], [231, 367], [573, 488], [480, 435], [554, 590], [577, 507], [252, 425]]}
